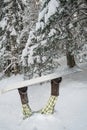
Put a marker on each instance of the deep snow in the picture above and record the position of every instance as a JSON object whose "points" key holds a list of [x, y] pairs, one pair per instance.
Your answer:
{"points": [[70, 110]]}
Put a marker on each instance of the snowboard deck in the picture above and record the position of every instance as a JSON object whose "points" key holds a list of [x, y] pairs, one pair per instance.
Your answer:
{"points": [[59, 73]]}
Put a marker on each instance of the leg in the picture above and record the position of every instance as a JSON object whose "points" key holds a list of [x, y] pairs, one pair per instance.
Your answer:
{"points": [[49, 108], [24, 100]]}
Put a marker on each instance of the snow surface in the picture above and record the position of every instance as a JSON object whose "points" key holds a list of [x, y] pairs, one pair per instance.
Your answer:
{"points": [[70, 110]]}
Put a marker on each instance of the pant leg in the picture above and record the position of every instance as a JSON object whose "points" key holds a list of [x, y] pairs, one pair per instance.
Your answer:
{"points": [[49, 108], [23, 95], [27, 112], [55, 86]]}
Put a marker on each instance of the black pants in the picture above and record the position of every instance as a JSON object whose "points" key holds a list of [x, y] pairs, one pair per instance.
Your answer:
{"points": [[23, 95], [55, 86]]}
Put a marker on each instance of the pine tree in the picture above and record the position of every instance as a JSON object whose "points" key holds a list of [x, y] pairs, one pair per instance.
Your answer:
{"points": [[75, 25], [10, 38], [31, 10], [17, 18], [57, 33], [70, 6], [81, 36], [43, 45]]}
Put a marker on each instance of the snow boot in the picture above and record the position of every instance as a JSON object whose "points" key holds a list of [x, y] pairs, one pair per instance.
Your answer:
{"points": [[26, 111], [49, 108]]}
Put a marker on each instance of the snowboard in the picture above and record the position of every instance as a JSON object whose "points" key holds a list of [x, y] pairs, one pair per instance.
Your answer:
{"points": [[59, 73]]}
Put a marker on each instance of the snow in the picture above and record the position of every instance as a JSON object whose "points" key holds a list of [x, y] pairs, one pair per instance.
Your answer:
{"points": [[29, 42], [70, 110], [13, 33], [3, 23], [52, 32], [41, 14], [7, 1], [24, 2], [46, 13], [52, 8], [39, 25]]}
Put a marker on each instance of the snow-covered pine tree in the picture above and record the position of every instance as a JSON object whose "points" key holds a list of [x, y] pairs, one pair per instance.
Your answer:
{"points": [[47, 31], [55, 35], [81, 29], [11, 26], [1, 33], [17, 19], [32, 12], [68, 7], [75, 12], [42, 47]]}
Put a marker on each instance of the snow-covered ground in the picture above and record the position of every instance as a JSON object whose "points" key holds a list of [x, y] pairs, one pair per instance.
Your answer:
{"points": [[70, 110]]}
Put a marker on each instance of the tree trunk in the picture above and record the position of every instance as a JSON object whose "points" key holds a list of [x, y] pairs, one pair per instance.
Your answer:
{"points": [[69, 49], [70, 59]]}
